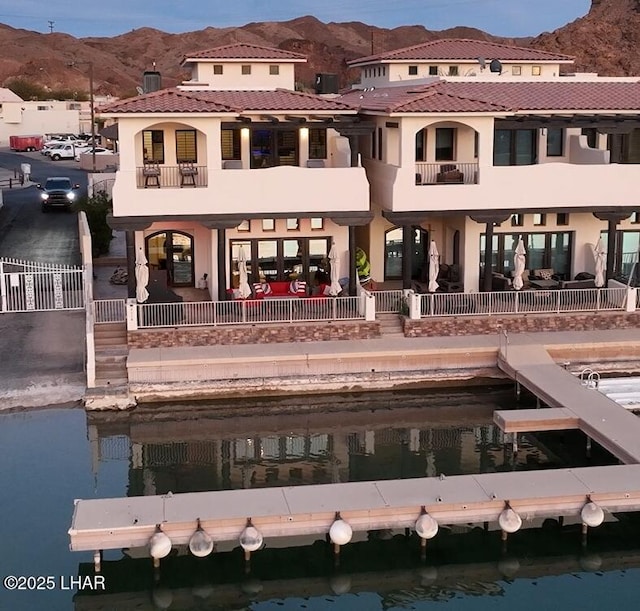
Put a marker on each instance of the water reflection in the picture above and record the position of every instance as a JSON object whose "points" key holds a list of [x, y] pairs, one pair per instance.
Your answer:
{"points": [[188, 449]]}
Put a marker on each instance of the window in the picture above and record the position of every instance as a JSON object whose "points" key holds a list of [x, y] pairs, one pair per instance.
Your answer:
{"points": [[316, 223], [536, 70], [413, 70], [153, 145], [380, 143], [293, 224], [274, 70], [268, 225], [453, 71], [421, 145], [230, 144], [514, 147], [445, 143], [244, 226], [246, 69], [555, 142], [516, 70], [317, 143], [592, 136], [433, 70], [517, 220], [374, 144], [384, 71], [186, 146], [539, 220], [217, 68]]}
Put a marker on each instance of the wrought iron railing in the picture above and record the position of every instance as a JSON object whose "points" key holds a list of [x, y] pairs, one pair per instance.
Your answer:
{"points": [[170, 177], [446, 173]]}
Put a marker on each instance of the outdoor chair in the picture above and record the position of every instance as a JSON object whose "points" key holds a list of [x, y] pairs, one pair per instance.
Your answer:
{"points": [[151, 173], [188, 172]]}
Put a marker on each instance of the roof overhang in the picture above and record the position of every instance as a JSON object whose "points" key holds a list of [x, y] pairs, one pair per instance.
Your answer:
{"points": [[603, 121]]}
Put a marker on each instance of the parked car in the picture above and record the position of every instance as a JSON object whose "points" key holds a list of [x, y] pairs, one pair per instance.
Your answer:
{"points": [[57, 192], [99, 151]]}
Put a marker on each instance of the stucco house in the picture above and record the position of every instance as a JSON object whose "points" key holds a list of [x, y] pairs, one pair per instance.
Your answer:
{"points": [[469, 144]]}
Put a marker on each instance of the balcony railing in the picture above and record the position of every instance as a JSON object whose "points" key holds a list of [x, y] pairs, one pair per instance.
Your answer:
{"points": [[170, 177], [446, 173]]}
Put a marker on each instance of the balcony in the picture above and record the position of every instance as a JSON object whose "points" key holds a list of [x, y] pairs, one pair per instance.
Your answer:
{"points": [[283, 189], [170, 177], [446, 172]]}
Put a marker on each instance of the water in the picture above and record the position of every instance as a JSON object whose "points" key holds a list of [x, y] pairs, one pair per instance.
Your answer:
{"points": [[53, 456]]}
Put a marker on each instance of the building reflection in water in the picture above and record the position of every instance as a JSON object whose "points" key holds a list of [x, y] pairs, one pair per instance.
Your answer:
{"points": [[190, 449]]}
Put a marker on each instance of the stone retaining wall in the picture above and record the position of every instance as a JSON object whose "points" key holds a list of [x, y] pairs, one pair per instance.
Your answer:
{"points": [[520, 323], [252, 334]]}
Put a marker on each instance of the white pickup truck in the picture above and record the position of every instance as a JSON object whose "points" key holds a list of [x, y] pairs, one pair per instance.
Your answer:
{"points": [[66, 151]]}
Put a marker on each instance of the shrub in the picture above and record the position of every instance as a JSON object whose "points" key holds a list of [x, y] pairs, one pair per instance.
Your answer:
{"points": [[97, 208]]}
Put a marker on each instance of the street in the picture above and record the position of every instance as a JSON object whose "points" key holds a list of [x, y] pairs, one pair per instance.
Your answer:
{"points": [[43, 352], [27, 233]]}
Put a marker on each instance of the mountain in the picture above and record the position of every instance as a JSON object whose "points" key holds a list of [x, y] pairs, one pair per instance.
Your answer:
{"points": [[605, 41]]}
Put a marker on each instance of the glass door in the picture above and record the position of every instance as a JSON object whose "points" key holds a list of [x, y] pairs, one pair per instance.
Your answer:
{"points": [[171, 252]]}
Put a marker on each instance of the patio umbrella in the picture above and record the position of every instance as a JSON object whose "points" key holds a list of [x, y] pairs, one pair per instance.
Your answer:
{"points": [[519, 265], [434, 267], [600, 255], [243, 287], [334, 275], [142, 277]]}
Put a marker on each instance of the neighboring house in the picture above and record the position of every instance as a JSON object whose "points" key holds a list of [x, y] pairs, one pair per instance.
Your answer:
{"points": [[486, 139], [459, 140], [235, 157]]}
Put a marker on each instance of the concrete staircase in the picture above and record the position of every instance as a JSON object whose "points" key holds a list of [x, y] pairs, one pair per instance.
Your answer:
{"points": [[111, 355], [390, 325]]}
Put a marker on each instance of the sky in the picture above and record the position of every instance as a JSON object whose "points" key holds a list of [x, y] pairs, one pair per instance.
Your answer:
{"points": [[82, 18]]}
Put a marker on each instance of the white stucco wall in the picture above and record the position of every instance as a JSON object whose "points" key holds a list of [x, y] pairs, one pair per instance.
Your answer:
{"points": [[233, 79]]}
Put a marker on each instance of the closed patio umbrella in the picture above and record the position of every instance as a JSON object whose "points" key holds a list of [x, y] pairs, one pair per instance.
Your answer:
{"points": [[243, 286], [600, 256], [434, 267], [334, 275], [519, 265], [142, 276]]}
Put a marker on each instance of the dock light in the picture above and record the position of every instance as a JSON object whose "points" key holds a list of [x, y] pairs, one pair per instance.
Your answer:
{"points": [[426, 526], [509, 521], [250, 539], [340, 532], [200, 544], [159, 546]]}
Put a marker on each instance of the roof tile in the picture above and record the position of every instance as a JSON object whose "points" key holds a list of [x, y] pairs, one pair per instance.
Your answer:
{"points": [[244, 50]]}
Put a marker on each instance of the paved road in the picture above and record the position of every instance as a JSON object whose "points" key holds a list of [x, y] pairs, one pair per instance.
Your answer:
{"points": [[27, 233], [42, 357]]}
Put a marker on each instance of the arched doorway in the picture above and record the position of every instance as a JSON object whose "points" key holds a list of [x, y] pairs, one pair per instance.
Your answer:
{"points": [[171, 252]]}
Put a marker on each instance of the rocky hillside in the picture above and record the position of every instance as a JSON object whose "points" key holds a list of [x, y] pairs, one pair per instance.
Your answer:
{"points": [[606, 40]]}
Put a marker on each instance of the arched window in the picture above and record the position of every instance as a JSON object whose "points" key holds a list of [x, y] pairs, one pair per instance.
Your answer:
{"points": [[172, 252]]}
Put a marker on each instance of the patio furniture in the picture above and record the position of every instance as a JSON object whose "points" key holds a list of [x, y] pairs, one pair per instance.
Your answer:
{"points": [[188, 172], [315, 163], [545, 284], [281, 289], [151, 173], [450, 174]]}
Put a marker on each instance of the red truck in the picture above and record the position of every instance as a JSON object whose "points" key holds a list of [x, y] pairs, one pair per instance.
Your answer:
{"points": [[26, 143]]}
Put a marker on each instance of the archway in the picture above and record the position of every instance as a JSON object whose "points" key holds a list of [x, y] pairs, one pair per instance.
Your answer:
{"points": [[171, 252]]}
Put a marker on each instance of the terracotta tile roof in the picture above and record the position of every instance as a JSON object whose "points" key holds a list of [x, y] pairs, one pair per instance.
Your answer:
{"points": [[479, 96], [420, 99], [165, 100], [462, 49], [243, 50], [174, 100]]}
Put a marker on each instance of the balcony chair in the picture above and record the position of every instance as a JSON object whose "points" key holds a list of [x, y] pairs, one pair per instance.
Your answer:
{"points": [[188, 172], [449, 174], [315, 163], [151, 173]]}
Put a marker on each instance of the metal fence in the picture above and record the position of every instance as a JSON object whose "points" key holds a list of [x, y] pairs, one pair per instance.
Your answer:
{"points": [[255, 311], [109, 310], [522, 302], [171, 177], [389, 301], [27, 286], [446, 172]]}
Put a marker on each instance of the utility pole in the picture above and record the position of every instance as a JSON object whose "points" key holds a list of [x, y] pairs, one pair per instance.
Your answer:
{"points": [[92, 107], [51, 24]]}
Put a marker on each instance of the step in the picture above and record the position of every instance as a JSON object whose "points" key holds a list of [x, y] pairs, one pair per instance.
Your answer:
{"points": [[111, 332], [112, 383], [111, 359], [110, 341]]}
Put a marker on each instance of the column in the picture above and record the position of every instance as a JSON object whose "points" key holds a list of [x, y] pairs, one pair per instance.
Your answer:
{"points": [[130, 242], [353, 274], [488, 258], [355, 150], [612, 218], [407, 252], [222, 266]]}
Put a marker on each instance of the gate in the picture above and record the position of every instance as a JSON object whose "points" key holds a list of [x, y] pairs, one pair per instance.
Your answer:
{"points": [[27, 286]]}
